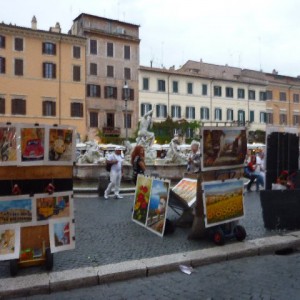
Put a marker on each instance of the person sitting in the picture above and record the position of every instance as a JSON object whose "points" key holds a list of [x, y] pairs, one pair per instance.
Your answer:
{"points": [[253, 175]]}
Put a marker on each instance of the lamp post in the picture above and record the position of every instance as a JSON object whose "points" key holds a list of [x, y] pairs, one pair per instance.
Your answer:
{"points": [[126, 99]]}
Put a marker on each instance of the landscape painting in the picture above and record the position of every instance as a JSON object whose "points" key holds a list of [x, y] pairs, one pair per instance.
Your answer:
{"points": [[186, 189], [157, 212], [8, 145], [223, 201], [16, 209], [9, 242], [61, 148], [223, 147]]}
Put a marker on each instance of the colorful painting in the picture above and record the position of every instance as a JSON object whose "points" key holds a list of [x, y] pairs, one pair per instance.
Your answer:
{"points": [[8, 145], [157, 211], [61, 148], [32, 145], [9, 242], [15, 210], [61, 234], [223, 147], [223, 201], [54, 206], [186, 189], [141, 199]]}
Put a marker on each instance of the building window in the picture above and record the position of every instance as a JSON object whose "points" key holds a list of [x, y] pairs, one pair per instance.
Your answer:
{"points": [[2, 65], [251, 95], [126, 52], [190, 88], [269, 95], [76, 52], [93, 119], [190, 112], [161, 111], [93, 69], [130, 94], [18, 44], [262, 96], [262, 117], [110, 49], [128, 125], [93, 90], [49, 108], [204, 89], [189, 133], [145, 84], [204, 113], [110, 92], [2, 106], [251, 117], [145, 107], [176, 111], [93, 47], [282, 119], [19, 67], [110, 71], [295, 96], [217, 91], [49, 70], [77, 109], [49, 48], [76, 73], [241, 117], [229, 114], [2, 41], [218, 114], [241, 93], [18, 107], [229, 92], [296, 120], [161, 85], [127, 73], [282, 96], [175, 86], [269, 118], [110, 120]]}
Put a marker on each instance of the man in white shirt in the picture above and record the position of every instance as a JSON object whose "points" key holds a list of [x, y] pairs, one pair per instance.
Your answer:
{"points": [[115, 173]]}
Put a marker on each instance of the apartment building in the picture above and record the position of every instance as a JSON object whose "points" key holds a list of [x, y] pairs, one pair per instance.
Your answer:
{"points": [[42, 76], [112, 61], [204, 92]]}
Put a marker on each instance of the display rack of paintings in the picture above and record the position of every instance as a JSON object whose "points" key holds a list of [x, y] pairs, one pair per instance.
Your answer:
{"points": [[151, 203]]}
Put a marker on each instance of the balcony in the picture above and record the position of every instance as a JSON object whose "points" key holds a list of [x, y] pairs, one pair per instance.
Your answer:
{"points": [[111, 131]]}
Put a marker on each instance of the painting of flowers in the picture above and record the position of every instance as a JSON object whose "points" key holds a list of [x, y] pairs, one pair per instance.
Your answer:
{"points": [[141, 199], [223, 201]]}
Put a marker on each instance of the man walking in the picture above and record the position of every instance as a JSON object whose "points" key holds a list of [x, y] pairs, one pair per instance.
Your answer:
{"points": [[116, 161]]}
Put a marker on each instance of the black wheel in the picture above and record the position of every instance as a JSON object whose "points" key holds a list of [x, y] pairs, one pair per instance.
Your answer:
{"points": [[219, 237], [49, 259], [13, 267], [239, 232]]}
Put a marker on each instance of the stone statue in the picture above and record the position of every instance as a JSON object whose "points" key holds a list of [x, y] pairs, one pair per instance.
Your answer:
{"points": [[174, 155], [145, 137]]}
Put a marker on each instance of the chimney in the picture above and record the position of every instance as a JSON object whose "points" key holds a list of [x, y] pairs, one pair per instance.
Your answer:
{"points": [[56, 28], [33, 23], [275, 72]]}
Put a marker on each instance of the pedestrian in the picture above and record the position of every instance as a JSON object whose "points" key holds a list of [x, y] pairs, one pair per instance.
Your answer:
{"points": [[254, 175], [194, 158], [115, 173], [138, 161]]}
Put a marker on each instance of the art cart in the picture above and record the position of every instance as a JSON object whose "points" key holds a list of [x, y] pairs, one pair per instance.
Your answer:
{"points": [[36, 197], [216, 193]]}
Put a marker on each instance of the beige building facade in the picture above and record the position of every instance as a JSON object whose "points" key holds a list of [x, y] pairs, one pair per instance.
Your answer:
{"points": [[42, 76], [112, 61]]}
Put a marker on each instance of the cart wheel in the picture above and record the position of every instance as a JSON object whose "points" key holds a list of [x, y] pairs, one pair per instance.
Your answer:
{"points": [[219, 237], [49, 259], [239, 232], [13, 267]]}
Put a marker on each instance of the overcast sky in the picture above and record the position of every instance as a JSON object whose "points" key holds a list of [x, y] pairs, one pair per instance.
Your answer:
{"points": [[257, 34]]}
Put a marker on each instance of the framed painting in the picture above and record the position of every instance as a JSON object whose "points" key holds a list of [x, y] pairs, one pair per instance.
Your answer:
{"points": [[8, 145]]}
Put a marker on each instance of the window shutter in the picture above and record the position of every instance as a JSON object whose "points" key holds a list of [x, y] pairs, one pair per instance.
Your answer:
{"points": [[179, 112], [187, 112], [53, 109], [131, 94], [157, 111], [165, 111], [115, 93], [142, 109], [105, 91], [98, 90], [54, 71], [173, 111], [193, 112]]}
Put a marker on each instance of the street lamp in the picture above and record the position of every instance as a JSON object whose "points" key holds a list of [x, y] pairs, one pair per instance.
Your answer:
{"points": [[126, 89]]}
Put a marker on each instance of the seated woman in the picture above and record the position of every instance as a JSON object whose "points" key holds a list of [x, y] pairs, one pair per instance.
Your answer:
{"points": [[253, 175]]}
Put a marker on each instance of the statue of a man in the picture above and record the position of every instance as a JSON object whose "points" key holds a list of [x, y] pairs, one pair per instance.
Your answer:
{"points": [[145, 124]]}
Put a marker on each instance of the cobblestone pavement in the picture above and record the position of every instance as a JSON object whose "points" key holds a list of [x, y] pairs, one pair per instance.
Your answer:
{"points": [[260, 277], [105, 234]]}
